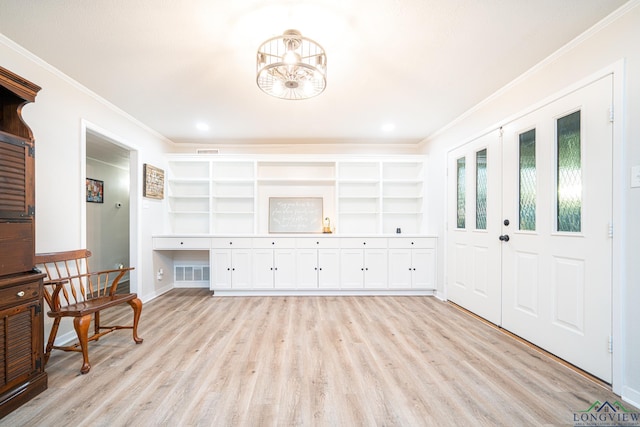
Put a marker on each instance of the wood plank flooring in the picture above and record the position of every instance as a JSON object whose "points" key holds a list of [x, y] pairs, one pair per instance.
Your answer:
{"points": [[316, 361]]}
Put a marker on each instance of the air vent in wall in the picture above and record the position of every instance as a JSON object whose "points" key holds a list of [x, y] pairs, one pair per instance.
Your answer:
{"points": [[207, 151], [191, 273]]}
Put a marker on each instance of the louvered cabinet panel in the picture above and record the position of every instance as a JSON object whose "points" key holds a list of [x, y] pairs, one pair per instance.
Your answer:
{"points": [[22, 373], [13, 178], [18, 343], [16, 206]]}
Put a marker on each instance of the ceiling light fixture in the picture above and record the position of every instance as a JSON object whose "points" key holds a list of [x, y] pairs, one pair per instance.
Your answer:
{"points": [[291, 66]]}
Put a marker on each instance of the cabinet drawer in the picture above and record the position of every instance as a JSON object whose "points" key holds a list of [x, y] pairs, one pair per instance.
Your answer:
{"points": [[16, 294], [276, 242], [317, 242], [410, 243], [364, 243], [181, 243], [231, 242]]}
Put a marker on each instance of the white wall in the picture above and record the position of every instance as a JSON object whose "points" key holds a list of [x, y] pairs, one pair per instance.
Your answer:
{"points": [[59, 118], [107, 224], [615, 39]]}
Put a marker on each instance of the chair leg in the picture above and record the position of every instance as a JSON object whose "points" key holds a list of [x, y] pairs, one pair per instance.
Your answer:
{"points": [[96, 323], [81, 325], [136, 304], [52, 338]]}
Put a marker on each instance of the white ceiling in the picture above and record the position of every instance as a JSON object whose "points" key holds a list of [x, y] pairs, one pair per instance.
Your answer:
{"points": [[418, 64]]}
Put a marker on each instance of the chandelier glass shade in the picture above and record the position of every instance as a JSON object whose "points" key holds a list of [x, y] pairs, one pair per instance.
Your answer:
{"points": [[291, 66]]}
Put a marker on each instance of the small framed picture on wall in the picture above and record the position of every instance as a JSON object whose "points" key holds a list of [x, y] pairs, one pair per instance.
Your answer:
{"points": [[153, 182], [95, 191]]}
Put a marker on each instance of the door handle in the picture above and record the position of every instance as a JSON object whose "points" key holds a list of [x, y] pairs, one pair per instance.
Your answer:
{"points": [[504, 238]]}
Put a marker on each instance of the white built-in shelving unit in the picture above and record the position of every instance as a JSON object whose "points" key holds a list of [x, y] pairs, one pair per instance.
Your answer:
{"points": [[218, 195]]}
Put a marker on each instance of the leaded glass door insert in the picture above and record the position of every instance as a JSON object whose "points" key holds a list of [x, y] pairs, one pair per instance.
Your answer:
{"points": [[569, 176], [481, 189], [528, 183], [461, 193]]}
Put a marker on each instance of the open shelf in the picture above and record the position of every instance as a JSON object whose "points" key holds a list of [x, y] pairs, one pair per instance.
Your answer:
{"points": [[213, 194]]}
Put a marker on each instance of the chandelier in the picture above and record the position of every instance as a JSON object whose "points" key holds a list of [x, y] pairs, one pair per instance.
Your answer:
{"points": [[291, 66]]}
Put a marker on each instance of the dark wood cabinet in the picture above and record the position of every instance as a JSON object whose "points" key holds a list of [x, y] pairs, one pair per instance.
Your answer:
{"points": [[22, 374]]}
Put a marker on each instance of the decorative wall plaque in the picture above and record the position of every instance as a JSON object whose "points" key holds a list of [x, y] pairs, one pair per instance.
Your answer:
{"points": [[153, 182]]}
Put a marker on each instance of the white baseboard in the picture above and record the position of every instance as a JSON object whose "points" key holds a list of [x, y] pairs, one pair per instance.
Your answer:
{"points": [[66, 339], [155, 294], [193, 284], [631, 395], [320, 292]]}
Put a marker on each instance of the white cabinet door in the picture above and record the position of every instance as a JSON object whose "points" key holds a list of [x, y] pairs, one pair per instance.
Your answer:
{"points": [[274, 268], [231, 269], [241, 269], [263, 269], [329, 268], [400, 268], [412, 268], [423, 263], [364, 268], [318, 268], [375, 268], [220, 269], [307, 268], [351, 268], [284, 267]]}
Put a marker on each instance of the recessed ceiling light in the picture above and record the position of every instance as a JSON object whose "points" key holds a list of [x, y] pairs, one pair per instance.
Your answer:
{"points": [[202, 126], [388, 127]]}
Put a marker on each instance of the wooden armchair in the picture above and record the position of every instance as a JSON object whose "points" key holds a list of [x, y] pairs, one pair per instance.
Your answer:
{"points": [[71, 290]]}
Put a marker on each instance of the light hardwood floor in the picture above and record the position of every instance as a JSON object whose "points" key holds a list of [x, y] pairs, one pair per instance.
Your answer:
{"points": [[317, 361]]}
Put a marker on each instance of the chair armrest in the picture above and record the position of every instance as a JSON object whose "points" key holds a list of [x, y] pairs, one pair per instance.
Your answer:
{"points": [[53, 298], [120, 272]]}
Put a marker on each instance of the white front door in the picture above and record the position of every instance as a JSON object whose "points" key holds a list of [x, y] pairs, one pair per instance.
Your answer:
{"points": [[473, 224], [556, 265], [541, 266]]}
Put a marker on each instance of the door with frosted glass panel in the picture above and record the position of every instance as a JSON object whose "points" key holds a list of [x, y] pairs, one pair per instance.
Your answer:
{"points": [[473, 221], [556, 264]]}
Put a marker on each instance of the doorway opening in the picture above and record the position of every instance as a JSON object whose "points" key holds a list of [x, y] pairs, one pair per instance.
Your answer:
{"points": [[108, 220]]}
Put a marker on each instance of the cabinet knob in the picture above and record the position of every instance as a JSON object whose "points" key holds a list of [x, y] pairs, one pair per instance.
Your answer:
{"points": [[364, 243], [320, 268], [228, 269], [182, 243], [20, 294], [273, 243], [412, 243], [317, 243], [231, 243]]}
